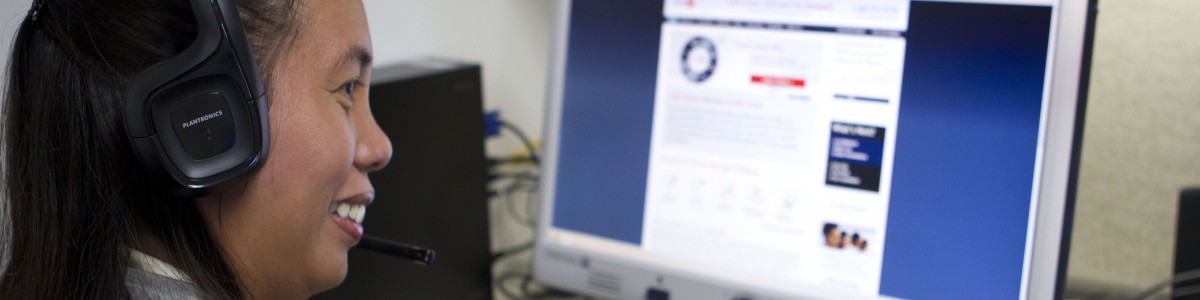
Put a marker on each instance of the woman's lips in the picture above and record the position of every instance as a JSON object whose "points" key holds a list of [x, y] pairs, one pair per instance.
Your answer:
{"points": [[351, 227], [349, 213]]}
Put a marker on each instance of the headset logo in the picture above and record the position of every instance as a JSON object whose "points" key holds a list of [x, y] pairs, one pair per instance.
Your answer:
{"points": [[203, 119]]}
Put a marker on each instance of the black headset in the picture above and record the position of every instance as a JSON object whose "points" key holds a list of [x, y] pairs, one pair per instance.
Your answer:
{"points": [[201, 116]]}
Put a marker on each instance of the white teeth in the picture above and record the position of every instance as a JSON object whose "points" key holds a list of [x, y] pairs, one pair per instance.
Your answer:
{"points": [[354, 212], [343, 210]]}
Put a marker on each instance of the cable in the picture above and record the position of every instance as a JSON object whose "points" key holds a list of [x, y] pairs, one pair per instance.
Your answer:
{"points": [[529, 186], [1153, 290], [510, 251], [510, 204], [1189, 276], [525, 140], [526, 282], [1186, 292], [517, 182], [509, 184], [515, 175], [531, 200], [500, 280]]}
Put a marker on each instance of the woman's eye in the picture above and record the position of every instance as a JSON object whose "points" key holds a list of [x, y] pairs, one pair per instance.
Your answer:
{"points": [[349, 87]]}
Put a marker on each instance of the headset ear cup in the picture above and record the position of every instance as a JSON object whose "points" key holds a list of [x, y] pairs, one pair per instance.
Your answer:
{"points": [[199, 117], [207, 135]]}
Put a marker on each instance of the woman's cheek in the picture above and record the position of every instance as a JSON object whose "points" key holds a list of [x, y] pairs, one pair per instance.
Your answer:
{"points": [[335, 148]]}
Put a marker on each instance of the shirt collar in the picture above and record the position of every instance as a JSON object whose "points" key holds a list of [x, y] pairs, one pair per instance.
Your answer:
{"points": [[145, 262]]}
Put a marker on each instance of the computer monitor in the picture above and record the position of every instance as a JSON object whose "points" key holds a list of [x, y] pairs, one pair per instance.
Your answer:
{"points": [[784, 149]]}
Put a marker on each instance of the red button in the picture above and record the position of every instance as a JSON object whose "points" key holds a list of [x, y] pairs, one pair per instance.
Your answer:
{"points": [[778, 81]]}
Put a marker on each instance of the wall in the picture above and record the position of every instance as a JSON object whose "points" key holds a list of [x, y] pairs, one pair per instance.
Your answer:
{"points": [[1141, 145], [11, 14], [511, 38]]}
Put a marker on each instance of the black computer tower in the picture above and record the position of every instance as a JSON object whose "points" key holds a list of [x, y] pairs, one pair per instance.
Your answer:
{"points": [[433, 193]]}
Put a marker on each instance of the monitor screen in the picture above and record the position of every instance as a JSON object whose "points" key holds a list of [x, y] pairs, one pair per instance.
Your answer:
{"points": [[768, 149]]}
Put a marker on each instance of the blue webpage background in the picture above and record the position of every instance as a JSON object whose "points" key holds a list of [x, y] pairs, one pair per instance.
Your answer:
{"points": [[965, 149]]}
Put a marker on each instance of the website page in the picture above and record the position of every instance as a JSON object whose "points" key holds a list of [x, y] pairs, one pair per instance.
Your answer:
{"points": [[772, 142]]}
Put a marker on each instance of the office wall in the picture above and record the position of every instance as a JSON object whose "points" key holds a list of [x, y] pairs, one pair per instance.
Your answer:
{"points": [[511, 38], [11, 14], [1141, 145]]}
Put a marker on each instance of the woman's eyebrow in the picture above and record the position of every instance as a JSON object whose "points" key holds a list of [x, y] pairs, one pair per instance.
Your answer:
{"points": [[356, 54]]}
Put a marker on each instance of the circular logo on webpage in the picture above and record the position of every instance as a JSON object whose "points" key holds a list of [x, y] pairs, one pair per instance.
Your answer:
{"points": [[699, 59]]}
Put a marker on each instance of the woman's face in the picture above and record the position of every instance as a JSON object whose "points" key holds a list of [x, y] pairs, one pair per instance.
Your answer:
{"points": [[278, 229]]}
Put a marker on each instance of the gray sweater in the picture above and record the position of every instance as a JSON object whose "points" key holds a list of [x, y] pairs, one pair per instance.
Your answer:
{"points": [[144, 285]]}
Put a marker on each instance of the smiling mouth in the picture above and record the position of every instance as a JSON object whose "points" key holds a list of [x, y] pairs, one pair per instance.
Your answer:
{"points": [[348, 213], [353, 212]]}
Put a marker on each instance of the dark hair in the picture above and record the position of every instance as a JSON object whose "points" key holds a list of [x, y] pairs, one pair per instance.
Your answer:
{"points": [[76, 195], [829, 228]]}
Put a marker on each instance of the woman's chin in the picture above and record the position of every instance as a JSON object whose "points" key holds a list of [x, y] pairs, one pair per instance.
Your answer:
{"points": [[333, 274]]}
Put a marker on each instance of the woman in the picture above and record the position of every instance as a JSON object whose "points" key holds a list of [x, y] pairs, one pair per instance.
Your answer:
{"points": [[86, 220]]}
